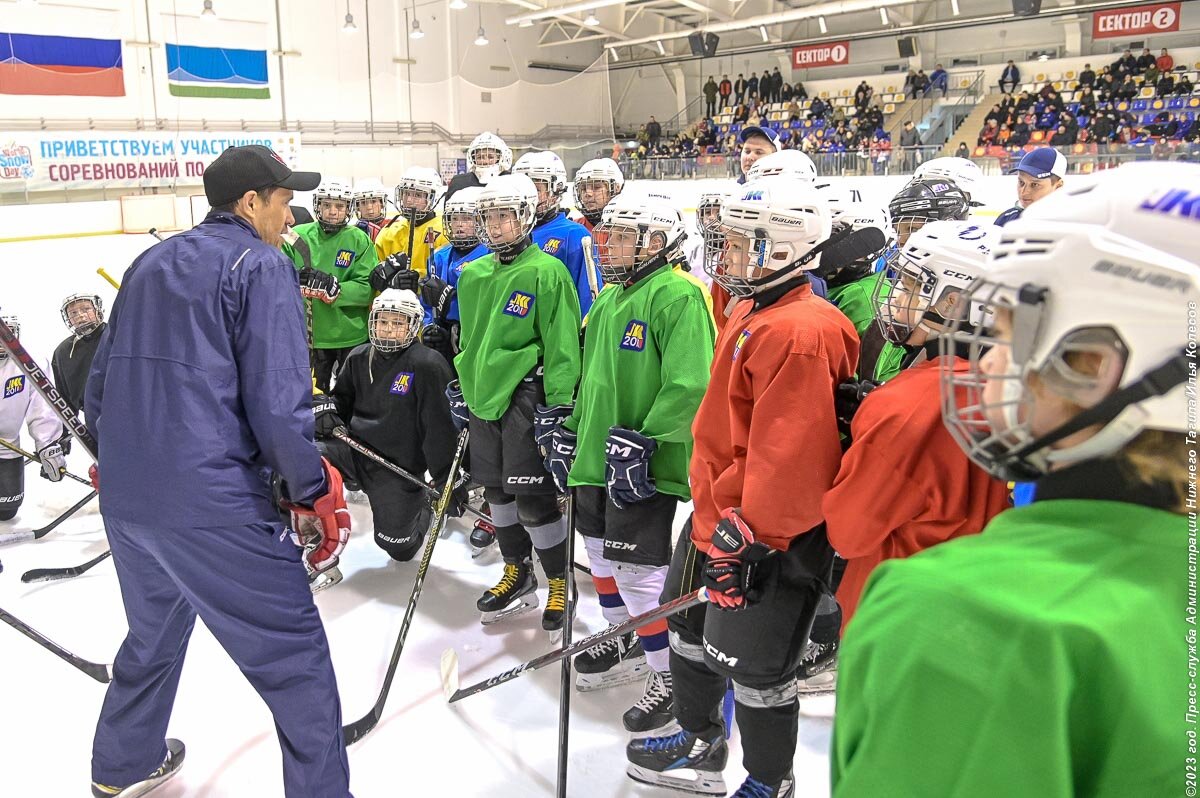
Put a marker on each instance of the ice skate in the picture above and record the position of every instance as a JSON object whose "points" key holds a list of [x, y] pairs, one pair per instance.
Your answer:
{"points": [[556, 607], [616, 661], [681, 761], [818, 670], [483, 535], [515, 593], [166, 771], [653, 709], [753, 788]]}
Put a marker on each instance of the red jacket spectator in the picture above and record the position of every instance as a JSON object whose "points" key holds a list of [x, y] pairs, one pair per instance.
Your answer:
{"points": [[1165, 62]]}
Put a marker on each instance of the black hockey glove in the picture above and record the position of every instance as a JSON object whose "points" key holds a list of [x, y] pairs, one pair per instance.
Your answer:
{"points": [[53, 462], [325, 416], [65, 442], [847, 398], [734, 558], [437, 295], [383, 276], [458, 405], [545, 421], [560, 455], [627, 461], [439, 339], [319, 285]]}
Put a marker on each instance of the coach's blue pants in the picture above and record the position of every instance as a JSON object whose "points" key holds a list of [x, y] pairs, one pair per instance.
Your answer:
{"points": [[249, 587]]}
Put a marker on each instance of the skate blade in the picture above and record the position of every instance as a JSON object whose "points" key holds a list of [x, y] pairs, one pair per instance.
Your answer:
{"points": [[818, 685], [626, 672], [681, 779], [527, 603], [323, 580]]}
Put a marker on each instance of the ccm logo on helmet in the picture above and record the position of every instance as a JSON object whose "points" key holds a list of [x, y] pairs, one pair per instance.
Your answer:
{"points": [[1176, 200], [959, 276], [1156, 279]]}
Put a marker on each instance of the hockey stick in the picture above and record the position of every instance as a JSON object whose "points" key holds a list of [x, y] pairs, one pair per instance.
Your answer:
{"points": [[154, 232], [55, 574], [12, 447], [41, 532], [564, 687], [101, 673], [450, 657], [100, 271], [360, 728]]}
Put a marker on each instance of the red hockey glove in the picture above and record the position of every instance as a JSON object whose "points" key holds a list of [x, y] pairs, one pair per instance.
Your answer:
{"points": [[733, 560], [324, 528], [94, 476]]}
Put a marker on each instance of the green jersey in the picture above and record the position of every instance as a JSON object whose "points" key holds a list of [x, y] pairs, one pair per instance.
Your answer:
{"points": [[1046, 657], [514, 317], [349, 256], [855, 300], [890, 362], [647, 351]]}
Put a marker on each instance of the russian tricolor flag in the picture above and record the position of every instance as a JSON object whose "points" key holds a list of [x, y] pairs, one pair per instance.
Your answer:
{"points": [[60, 65]]}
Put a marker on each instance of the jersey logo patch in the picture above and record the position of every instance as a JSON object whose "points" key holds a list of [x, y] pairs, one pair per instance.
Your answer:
{"points": [[14, 385], [403, 383], [634, 338], [551, 246], [344, 258], [741, 341], [519, 304]]}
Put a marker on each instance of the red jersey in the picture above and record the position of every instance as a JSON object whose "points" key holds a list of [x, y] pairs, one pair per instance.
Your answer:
{"points": [[766, 437], [904, 484], [720, 301]]}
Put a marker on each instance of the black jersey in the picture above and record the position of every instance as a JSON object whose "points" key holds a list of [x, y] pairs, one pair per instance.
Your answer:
{"points": [[71, 363]]}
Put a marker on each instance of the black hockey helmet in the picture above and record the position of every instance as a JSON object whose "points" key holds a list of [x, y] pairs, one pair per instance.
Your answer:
{"points": [[932, 200]]}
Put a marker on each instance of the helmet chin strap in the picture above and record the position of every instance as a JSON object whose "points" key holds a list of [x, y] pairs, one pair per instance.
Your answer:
{"points": [[780, 276], [509, 254], [654, 262]]}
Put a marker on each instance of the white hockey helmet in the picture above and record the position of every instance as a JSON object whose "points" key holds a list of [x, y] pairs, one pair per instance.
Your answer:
{"points": [[963, 172], [419, 191], [366, 190], [785, 163], [14, 324], [596, 183], [1072, 295], [544, 167], [708, 207], [768, 231], [82, 326], [500, 232], [333, 202], [459, 211], [490, 148], [395, 320], [627, 231], [925, 285]]}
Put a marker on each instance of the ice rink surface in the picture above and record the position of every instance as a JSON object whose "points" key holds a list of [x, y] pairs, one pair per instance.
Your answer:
{"points": [[500, 742]]}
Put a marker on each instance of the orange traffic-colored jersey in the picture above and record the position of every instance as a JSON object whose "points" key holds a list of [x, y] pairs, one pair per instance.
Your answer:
{"points": [[904, 484], [766, 437], [720, 301]]}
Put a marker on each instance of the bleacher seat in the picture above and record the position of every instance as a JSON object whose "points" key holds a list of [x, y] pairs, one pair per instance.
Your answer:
{"points": [[1037, 135], [1139, 105], [1070, 74], [889, 109], [1146, 92], [1040, 77]]}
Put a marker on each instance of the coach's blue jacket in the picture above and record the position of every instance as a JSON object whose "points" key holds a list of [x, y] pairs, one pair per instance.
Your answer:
{"points": [[201, 383]]}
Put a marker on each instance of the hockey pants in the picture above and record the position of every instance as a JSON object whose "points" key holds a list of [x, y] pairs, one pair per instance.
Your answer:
{"points": [[12, 486], [248, 585]]}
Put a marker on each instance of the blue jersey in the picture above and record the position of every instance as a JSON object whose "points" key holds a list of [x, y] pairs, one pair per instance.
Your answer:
{"points": [[1010, 214], [571, 243], [447, 263]]}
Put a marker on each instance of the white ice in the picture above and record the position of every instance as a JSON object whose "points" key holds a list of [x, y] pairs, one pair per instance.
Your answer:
{"points": [[500, 742]]}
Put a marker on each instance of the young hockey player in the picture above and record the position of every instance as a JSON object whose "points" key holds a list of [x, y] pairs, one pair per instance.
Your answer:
{"points": [[650, 336], [438, 289], [1045, 656], [756, 537], [337, 284], [20, 403], [370, 206], [708, 215], [488, 157], [851, 286], [520, 348], [554, 233], [596, 183], [886, 501], [962, 172], [84, 316], [417, 196], [390, 395]]}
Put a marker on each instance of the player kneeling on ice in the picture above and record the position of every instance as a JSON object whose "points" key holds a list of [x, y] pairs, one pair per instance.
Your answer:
{"points": [[904, 485], [766, 451], [22, 404], [624, 447], [389, 395], [520, 349], [1045, 656]]}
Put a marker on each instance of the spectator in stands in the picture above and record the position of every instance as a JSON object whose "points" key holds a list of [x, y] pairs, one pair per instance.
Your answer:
{"points": [[1054, 102], [939, 79], [1060, 137], [643, 137], [1103, 127], [752, 84], [1087, 77], [1164, 124], [996, 113], [1002, 138], [838, 117], [1087, 101], [801, 92], [987, 136], [1020, 131], [1007, 102], [653, 132], [777, 86], [1165, 85], [1128, 89], [1010, 76], [963, 150], [1162, 150], [739, 89], [793, 111], [862, 96], [1184, 87], [910, 140], [1164, 61], [710, 97], [1125, 65], [1046, 90], [1069, 121], [817, 109], [1145, 60], [909, 80], [920, 83], [1023, 102], [741, 113], [725, 90], [1150, 75], [1108, 88]]}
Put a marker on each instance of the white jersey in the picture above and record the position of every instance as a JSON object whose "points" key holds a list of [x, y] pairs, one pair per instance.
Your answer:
{"points": [[20, 403]]}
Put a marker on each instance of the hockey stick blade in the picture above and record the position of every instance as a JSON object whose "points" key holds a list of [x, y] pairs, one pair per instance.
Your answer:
{"points": [[41, 532], [99, 672], [55, 574], [449, 669], [550, 657]]}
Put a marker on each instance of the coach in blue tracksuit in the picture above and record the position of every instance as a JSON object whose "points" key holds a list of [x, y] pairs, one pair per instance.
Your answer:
{"points": [[199, 391]]}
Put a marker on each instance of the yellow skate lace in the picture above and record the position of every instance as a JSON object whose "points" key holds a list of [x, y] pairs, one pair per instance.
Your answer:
{"points": [[557, 599], [512, 574]]}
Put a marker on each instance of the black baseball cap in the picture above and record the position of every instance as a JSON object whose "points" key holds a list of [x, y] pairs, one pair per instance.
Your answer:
{"points": [[249, 168]]}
